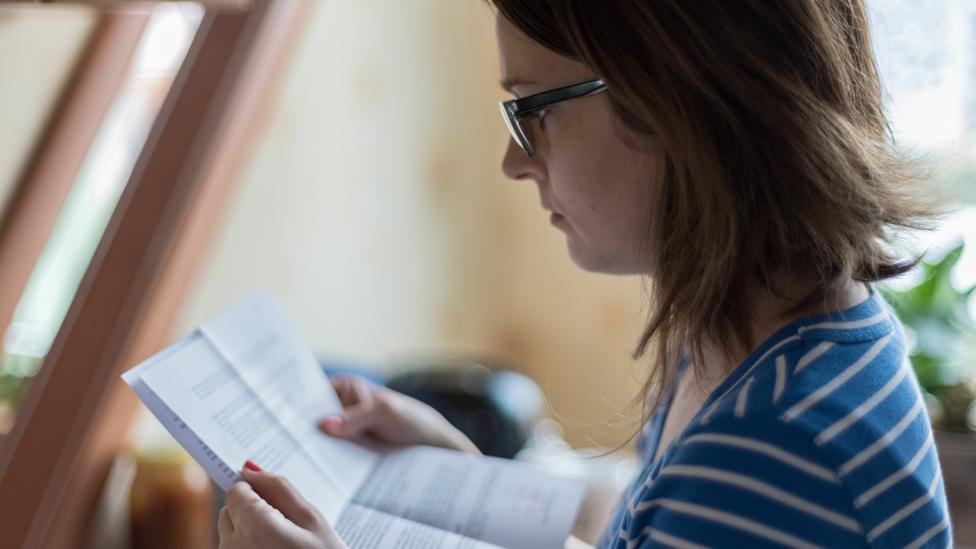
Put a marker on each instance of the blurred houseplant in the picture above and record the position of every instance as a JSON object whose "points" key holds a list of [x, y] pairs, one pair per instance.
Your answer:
{"points": [[15, 373], [941, 336]]}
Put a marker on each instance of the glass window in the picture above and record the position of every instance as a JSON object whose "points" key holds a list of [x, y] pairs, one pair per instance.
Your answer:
{"points": [[926, 51], [93, 197]]}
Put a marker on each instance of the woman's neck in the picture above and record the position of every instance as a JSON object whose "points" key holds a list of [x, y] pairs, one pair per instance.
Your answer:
{"points": [[768, 317]]}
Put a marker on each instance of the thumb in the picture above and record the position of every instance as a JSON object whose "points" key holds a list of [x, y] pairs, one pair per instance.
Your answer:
{"points": [[280, 494], [351, 422]]}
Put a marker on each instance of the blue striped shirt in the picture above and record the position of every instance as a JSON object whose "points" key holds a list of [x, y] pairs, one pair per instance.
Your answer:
{"points": [[818, 439]]}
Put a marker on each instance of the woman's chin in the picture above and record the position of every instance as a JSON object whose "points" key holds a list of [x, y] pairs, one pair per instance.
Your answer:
{"points": [[586, 260], [592, 262]]}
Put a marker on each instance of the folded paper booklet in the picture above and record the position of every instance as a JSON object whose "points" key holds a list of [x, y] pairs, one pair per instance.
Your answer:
{"points": [[245, 386]]}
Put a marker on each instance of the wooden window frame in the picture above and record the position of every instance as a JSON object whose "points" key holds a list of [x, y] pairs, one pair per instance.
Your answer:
{"points": [[75, 413], [50, 172]]}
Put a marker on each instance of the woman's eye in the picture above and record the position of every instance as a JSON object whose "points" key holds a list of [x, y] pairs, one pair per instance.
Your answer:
{"points": [[541, 117]]}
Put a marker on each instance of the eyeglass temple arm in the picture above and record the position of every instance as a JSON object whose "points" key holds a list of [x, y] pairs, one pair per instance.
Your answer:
{"points": [[546, 98]]}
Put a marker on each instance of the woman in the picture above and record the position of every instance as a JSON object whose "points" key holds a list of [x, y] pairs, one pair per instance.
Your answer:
{"points": [[737, 155]]}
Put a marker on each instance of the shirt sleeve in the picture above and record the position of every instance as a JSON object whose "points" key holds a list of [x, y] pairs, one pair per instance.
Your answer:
{"points": [[755, 483]]}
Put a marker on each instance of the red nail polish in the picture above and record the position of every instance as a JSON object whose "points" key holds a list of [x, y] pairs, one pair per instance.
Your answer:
{"points": [[252, 466]]}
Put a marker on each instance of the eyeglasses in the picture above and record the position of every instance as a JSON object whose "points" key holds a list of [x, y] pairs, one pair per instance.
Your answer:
{"points": [[514, 111]]}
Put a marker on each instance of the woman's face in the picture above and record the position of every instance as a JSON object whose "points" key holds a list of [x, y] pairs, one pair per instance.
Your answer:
{"points": [[601, 191]]}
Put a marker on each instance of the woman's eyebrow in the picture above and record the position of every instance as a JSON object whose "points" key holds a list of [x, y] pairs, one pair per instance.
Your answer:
{"points": [[509, 83]]}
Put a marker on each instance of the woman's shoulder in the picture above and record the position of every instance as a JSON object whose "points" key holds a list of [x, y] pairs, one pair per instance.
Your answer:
{"points": [[810, 360], [823, 439], [838, 376], [741, 483], [766, 481]]}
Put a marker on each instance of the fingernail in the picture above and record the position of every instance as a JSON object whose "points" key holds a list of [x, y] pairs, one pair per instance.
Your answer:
{"points": [[332, 423], [252, 466]]}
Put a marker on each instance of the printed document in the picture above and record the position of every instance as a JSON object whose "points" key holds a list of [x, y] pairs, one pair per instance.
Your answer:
{"points": [[244, 386]]}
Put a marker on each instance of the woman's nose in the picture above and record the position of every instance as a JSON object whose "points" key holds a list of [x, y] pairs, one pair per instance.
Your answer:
{"points": [[517, 165]]}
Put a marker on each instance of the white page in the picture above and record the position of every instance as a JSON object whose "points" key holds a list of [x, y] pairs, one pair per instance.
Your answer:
{"points": [[246, 384], [222, 473], [199, 386], [363, 528], [498, 501], [260, 344]]}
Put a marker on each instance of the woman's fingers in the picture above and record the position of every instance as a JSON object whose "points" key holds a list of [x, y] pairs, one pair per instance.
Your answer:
{"points": [[362, 408], [350, 389], [243, 505], [280, 494], [353, 421], [225, 527], [265, 510]]}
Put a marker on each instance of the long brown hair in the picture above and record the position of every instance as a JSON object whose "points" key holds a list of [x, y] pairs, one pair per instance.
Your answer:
{"points": [[778, 157]]}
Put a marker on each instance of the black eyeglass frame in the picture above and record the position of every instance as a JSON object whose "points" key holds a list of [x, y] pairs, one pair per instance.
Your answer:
{"points": [[514, 109]]}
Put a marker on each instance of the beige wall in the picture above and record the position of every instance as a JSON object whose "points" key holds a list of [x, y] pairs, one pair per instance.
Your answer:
{"points": [[374, 210]]}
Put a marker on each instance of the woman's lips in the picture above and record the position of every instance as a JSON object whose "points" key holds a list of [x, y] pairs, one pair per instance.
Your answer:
{"points": [[555, 219]]}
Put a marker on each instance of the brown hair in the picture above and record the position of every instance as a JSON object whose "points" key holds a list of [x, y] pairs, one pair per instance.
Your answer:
{"points": [[778, 156]]}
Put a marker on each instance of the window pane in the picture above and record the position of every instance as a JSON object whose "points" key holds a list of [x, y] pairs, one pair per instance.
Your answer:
{"points": [[926, 53], [88, 208]]}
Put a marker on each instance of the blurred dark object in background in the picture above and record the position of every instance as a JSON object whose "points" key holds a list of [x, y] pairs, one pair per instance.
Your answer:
{"points": [[489, 402]]}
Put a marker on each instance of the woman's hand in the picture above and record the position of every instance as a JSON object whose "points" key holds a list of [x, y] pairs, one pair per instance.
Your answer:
{"points": [[266, 511], [391, 417]]}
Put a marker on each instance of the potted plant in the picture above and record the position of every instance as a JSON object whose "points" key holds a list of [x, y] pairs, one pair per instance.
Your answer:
{"points": [[941, 337]]}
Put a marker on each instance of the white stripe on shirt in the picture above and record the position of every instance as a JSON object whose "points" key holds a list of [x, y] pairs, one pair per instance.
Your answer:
{"points": [[882, 442], [849, 325], [857, 413], [901, 473], [771, 350], [900, 514], [765, 489], [767, 450], [662, 537], [811, 355], [780, 383], [728, 519], [743, 399], [929, 534], [836, 382]]}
